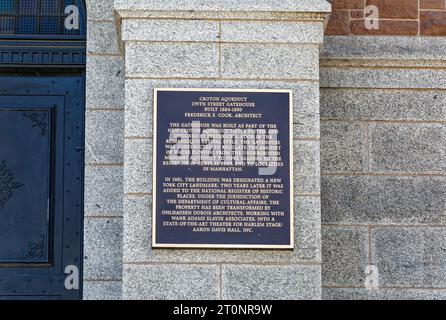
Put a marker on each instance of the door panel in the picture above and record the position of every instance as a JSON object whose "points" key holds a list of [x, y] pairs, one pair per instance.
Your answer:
{"points": [[41, 185], [27, 139], [25, 172]]}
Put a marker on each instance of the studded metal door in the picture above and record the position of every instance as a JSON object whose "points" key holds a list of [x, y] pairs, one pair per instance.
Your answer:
{"points": [[41, 186]]}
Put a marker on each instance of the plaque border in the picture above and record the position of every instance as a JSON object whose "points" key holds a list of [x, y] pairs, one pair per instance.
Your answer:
{"points": [[156, 245]]}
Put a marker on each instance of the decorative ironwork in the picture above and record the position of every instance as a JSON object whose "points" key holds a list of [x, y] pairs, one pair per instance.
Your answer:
{"points": [[17, 54], [42, 33], [36, 250], [39, 120], [7, 184]]}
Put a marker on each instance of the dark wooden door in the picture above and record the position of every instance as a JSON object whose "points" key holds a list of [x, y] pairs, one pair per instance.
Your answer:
{"points": [[41, 186]]}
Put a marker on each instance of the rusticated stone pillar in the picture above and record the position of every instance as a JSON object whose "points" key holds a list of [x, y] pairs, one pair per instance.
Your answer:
{"points": [[271, 44]]}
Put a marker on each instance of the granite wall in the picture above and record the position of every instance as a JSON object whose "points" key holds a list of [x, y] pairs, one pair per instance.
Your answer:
{"points": [[256, 45], [383, 162], [104, 168]]}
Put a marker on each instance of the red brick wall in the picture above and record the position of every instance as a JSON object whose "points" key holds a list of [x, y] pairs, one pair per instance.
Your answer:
{"points": [[396, 17]]}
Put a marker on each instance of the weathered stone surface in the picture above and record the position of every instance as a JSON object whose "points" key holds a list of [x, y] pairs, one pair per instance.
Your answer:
{"points": [[373, 199], [172, 60], [411, 294], [103, 190], [307, 167], [171, 282], [138, 228], [403, 9], [386, 27], [382, 294], [249, 282], [138, 231], [138, 166], [105, 82], [344, 255], [410, 257], [104, 141], [347, 4], [433, 23], [377, 104], [102, 290], [339, 23], [100, 9], [253, 61], [330, 293], [306, 110], [381, 48], [343, 147], [139, 108], [357, 14], [102, 38], [407, 148], [383, 78], [103, 248], [433, 4], [272, 32], [307, 232], [169, 30]]}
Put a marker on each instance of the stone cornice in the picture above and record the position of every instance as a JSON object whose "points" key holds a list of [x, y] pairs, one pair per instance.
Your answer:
{"points": [[222, 15], [230, 10], [224, 5]]}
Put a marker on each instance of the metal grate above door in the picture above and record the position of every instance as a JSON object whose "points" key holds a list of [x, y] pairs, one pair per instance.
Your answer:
{"points": [[36, 18]]}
